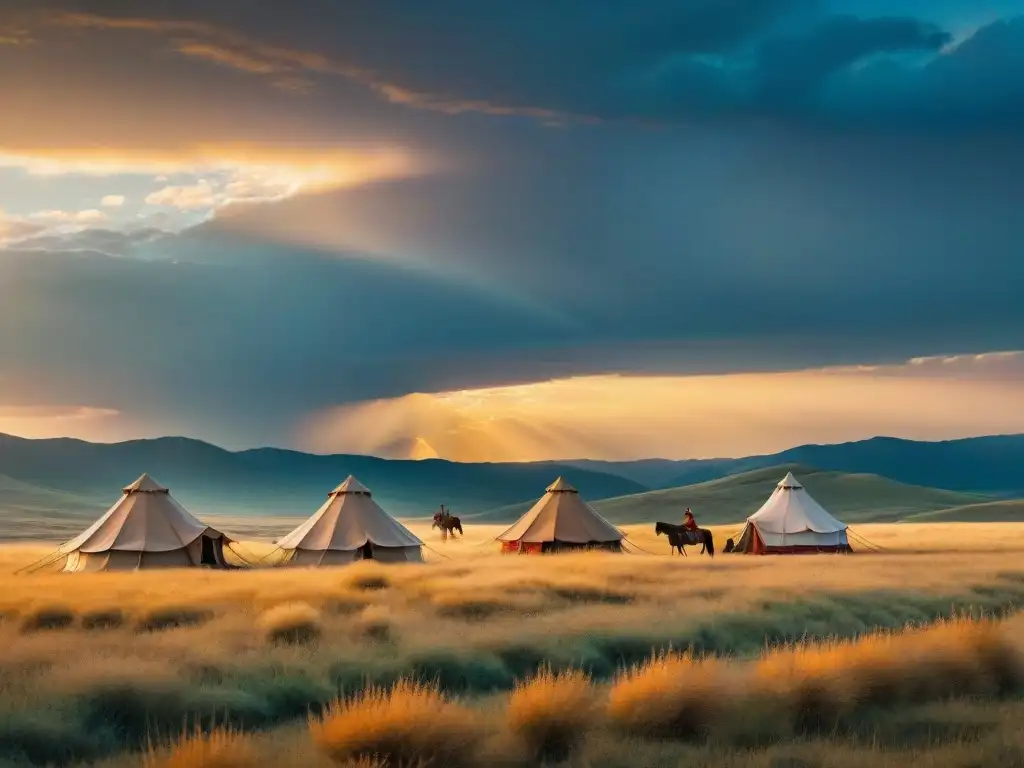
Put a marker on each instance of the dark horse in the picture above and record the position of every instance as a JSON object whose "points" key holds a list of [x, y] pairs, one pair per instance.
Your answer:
{"points": [[679, 536], [447, 524]]}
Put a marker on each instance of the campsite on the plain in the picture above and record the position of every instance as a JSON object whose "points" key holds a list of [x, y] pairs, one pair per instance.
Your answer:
{"points": [[511, 384], [351, 635]]}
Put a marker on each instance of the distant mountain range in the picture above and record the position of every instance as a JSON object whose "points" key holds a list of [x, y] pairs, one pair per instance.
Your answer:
{"points": [[65, 477], [66, 474], [989, 465]]}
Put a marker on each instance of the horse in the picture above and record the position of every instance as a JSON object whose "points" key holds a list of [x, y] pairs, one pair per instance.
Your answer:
{"points": [[447, 524], [679, 536]]}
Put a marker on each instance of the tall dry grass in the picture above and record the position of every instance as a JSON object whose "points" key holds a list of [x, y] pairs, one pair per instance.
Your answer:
{"points": [[148, 653], [293, 623], [815, 688], [673, 696], [551, 714], [408, 725], [221, 748]]}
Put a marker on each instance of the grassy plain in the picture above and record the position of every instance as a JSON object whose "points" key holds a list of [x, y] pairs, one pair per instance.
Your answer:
{"points": [[93, 667]]}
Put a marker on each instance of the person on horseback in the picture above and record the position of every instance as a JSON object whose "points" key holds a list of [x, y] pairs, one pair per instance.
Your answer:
{"points": [[690, 526], [688, 522]]}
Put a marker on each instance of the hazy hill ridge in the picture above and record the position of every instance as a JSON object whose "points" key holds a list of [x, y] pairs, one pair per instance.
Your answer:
{"points": [[877, 479], [990, 465], [270, 480]]}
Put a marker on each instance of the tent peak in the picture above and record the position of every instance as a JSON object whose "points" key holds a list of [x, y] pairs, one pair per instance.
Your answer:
{"points": [[351, 485], [145, 484], [790, 481], [560, 485]]}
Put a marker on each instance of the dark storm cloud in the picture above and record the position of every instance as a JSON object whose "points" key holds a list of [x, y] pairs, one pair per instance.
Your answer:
{"points": [[746, 244], [794, 68], [651, 60], [671, 256], [235, 338]]}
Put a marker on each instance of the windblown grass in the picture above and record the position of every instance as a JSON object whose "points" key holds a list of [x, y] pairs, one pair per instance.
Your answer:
{"points": [[148, 654], [408, 725], [375, 623], [815, 688], [672, 696], [221, 748], [293, 623], [675, 710], [552, 713], [48, 617]]}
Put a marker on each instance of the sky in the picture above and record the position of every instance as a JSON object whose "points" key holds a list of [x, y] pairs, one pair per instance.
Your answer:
{"points": [[512, 230]]}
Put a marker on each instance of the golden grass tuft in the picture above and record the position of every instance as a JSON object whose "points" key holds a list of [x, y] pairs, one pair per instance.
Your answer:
{"points": [[408, 725], [472, 607], [367, 576], [672, 696], [48, 617], [168, 617], [222, 748], [292, 623], [951, 659], [552, 713], [375, 623], [103, 618], [365, 762]]}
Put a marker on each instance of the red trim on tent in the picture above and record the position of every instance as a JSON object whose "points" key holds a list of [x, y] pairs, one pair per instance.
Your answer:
{"points": [[521, 548], [804, 550], [758, 548]]}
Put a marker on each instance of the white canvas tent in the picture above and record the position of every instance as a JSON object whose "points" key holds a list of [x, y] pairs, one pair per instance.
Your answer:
{"points": [[560, 520], [350, 526], [792, 522], [146, 528]]}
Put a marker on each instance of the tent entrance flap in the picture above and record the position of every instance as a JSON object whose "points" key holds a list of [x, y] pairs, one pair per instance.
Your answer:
{"points": [[209, 554]]}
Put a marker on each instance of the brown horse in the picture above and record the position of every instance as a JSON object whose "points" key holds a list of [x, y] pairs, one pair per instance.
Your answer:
{"points": [[679, 536], [448, 525]]}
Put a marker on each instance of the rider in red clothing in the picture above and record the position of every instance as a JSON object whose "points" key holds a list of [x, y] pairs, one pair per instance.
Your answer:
{"points": [[688, 522]]}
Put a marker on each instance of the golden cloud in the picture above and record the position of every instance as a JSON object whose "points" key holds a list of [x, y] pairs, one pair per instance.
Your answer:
{"points": [[45, 421], [631, 417], [15, 36], [305, 168]]}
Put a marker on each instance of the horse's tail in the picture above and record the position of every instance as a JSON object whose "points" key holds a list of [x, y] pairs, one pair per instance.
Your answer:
{"points": [[709, 541]]}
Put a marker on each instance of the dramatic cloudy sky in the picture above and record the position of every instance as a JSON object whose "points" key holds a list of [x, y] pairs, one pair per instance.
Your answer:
{"points": [[512, 230]]}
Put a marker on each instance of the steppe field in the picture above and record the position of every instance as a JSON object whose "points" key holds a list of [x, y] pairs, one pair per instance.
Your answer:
{"points": [[906, 654]]}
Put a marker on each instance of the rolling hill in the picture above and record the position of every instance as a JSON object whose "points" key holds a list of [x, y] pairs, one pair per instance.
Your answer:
{"points": [[1003, 511], [878, 479], [88, 476], [851, 497]]}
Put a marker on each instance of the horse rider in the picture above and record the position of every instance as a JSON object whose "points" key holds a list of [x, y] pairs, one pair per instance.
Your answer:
{"points": [[688, 522]]}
